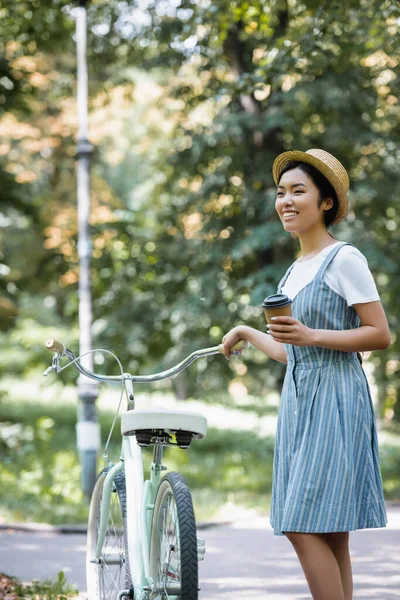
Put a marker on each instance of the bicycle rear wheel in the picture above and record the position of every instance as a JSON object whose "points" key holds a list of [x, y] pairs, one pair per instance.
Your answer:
{"points": [[173, 547], [110, 574]]}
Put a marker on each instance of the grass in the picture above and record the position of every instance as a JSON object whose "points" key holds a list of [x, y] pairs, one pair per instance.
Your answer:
{"points": [[40, 473], [51, 589]]}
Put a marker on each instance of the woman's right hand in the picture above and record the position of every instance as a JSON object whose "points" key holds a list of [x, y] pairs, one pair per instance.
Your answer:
{"points": [[230, 339]]}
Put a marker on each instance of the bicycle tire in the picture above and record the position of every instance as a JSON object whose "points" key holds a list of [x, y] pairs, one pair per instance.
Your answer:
{"points": [[174, 561], [108, 577]]}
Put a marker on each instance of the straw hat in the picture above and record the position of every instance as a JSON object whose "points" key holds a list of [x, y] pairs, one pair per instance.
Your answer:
{"points": [[327, 164]]}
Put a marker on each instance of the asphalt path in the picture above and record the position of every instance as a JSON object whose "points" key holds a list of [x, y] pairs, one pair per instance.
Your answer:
{"points": [[244, 560]]}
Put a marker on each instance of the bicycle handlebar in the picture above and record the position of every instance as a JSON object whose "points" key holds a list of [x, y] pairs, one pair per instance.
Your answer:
{"points": [[60, 350]]}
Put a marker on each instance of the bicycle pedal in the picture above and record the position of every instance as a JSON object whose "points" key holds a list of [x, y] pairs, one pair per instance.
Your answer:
{"points": [[127, 594]]}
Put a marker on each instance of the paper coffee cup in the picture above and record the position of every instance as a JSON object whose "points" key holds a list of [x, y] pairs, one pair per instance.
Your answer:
{"points": [[277, 305]]}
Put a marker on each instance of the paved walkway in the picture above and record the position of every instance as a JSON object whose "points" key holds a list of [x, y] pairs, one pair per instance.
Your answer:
{"points": [[243, 561]]}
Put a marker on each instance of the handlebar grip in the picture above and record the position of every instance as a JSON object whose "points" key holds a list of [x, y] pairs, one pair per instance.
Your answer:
{"points": [[240, 345], [55, 346]]}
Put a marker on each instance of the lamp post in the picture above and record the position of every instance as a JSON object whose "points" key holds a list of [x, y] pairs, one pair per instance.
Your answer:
{"points": [[88, 429]]}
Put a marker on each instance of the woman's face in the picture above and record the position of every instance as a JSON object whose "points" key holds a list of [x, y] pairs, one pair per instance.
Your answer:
{"points": [[297, 202]]}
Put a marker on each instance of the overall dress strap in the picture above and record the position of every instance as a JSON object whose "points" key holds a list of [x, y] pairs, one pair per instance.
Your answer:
{"points": [[329, 258], [324, 266], [283, 280]]}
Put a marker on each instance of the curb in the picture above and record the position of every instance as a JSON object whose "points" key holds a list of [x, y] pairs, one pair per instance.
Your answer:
{"points": [[80, 529], [43, 528]]}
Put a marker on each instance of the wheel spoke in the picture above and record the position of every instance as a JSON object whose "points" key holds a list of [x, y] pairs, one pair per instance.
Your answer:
{"points": [[110, 575], [170, 558]]}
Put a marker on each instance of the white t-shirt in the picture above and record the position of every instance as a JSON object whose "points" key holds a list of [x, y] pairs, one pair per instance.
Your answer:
{"points": [[347, 274]]}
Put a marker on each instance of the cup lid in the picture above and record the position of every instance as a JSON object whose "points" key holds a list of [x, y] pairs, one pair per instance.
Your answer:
{"points": [[276, 301]]}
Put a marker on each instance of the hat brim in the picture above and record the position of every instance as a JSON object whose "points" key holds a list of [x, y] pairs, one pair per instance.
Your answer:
{"points": [[323, 166]]}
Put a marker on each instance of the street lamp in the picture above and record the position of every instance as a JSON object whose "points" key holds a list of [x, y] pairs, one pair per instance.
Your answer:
{"points": [[88, 429]]}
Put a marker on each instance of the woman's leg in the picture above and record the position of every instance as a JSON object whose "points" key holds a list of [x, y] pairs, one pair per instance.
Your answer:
{"points": [[339, 543], [319, 564]]}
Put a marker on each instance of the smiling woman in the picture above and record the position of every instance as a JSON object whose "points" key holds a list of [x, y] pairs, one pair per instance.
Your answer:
{"points": [[326, 479]]}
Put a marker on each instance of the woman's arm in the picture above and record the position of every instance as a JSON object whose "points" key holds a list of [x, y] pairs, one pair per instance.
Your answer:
{"points": [[374, 333], [256, 338]]}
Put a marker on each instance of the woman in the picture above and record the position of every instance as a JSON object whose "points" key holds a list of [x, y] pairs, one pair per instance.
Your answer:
{"points": [[327, 479]]}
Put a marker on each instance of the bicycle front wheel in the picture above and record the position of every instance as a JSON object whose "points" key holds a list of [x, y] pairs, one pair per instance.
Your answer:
{"points": [[110, 573], [173, 547]]}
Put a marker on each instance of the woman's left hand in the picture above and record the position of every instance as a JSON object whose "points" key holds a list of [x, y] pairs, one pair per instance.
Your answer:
{"points": [[288, 330]]}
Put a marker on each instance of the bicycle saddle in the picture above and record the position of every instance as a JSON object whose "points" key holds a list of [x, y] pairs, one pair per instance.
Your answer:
{"points": [[164, 419]]}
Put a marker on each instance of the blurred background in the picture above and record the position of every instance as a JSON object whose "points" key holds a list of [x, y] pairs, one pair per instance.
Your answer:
{"points": [[189, 104]]}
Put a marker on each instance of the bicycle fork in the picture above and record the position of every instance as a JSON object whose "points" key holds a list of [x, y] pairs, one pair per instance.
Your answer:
{"points": [[107, 490]]}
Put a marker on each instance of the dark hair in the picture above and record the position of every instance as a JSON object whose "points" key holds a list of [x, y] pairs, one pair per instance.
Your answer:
{"points": [[325, 188]]}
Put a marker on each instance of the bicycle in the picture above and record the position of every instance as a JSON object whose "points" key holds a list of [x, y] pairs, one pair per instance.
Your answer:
{"points": [[142, 542]]}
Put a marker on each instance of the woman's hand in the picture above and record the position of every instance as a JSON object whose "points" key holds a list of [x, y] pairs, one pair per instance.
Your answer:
{"points": [[288, 330], [230, 339]]}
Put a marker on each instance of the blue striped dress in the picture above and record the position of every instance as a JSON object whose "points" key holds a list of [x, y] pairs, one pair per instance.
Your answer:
{"points": [[326, 463]]}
